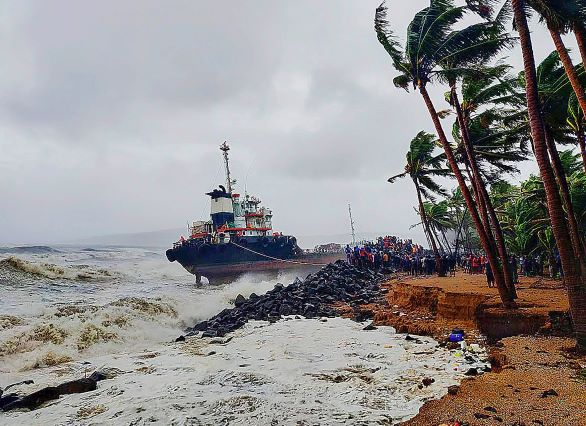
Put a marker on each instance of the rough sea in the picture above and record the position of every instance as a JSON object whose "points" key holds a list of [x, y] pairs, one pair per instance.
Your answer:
{"points": [[67, 311]]}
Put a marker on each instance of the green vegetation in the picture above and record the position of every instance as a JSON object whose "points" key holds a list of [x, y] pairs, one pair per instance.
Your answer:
{"points": [[499, 117]]}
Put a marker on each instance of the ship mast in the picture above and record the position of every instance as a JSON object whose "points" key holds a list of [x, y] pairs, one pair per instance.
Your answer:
{"points": [[225, 148], [352, 225]]}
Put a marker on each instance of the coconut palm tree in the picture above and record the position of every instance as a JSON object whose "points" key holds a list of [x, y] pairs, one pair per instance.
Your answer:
{"points": [[461, 219], [440, 220], [572, 267], [423, 166], [559, 16], [431, 41], [555, 90], [474, 94]]}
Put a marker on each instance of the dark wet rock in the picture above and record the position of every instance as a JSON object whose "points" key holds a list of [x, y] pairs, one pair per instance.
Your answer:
{"points": [[77, 386], [180, 339], [428, 381], [239, 301], [8, 399], [310, 298], [549, 392], [34, 400], [491, 409], [471, 372], [38, 398], [453, 390], [481, 416]]}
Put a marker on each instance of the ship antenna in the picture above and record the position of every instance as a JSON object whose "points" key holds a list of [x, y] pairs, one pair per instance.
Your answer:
{"points": [[352, 225], [225, 148]]}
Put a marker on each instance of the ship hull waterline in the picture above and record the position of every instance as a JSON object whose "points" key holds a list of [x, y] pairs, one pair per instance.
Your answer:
{"points": [[230, 263]]}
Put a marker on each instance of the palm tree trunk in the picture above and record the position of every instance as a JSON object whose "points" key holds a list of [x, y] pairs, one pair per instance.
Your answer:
{"points": [[437, 239], [459, 232], [560, 175], [445, 239], [427, 229], [481, 208], [483, 195], [572, 276], [569, 68], [506, 297], [580, 33]]}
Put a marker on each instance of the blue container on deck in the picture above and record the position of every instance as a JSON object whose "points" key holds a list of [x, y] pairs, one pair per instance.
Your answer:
{"points": [[457, 335]]}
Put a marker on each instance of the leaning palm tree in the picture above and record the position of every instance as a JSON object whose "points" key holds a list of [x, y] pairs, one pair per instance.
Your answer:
{"points": [[487, 75], [573, 268], [559, 16], [440, 220], [554, 91], [461, 218], [431, 41], [423, 166]]}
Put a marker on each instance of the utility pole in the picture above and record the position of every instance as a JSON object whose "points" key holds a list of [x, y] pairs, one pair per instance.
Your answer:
{"points": [[225, 148], [352, 225]]}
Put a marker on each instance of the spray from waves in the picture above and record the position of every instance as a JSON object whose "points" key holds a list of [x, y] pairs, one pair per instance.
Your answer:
{"points": [[14, 266], [213, 300], [70, 332]]}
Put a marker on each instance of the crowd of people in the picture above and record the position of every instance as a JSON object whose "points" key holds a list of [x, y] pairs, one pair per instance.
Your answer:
{"points": [[402, 255], [528, 266], [394, 253]]}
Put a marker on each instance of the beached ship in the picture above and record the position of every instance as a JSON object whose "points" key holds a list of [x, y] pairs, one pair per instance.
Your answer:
{"points": [[239, 238]]}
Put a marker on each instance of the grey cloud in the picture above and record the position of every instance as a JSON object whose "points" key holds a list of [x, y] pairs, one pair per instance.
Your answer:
{"points": [[111, 113]]}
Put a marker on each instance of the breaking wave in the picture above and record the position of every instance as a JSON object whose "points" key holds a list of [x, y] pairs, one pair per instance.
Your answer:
{"points": [[16, 265], [29, 250], [70, 332]]}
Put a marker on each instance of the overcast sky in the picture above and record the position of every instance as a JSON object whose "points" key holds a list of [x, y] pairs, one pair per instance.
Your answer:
{"points": [[111, 114]]}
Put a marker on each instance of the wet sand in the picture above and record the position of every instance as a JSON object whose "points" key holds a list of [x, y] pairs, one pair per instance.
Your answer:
{"points": [[524, 367]]}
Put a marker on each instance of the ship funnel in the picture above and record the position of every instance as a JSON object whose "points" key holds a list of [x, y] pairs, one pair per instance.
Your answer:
{"points": [[222, 210]]}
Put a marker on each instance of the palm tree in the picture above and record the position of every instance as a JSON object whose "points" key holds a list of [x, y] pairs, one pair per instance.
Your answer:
{"points": [[432, 41], [440, 220], [422, 167], [559, 15], [461, 218], [554, 90], [487, 211], [573, 270]]}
